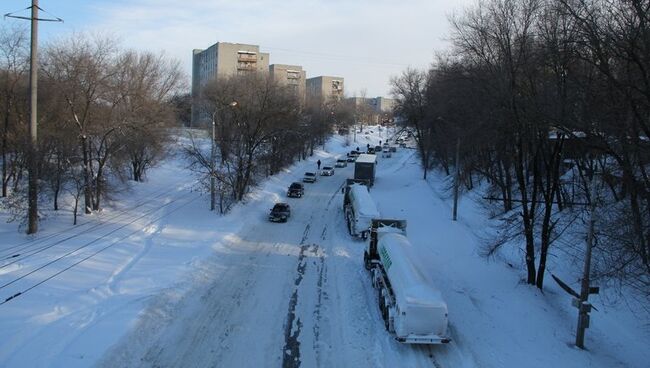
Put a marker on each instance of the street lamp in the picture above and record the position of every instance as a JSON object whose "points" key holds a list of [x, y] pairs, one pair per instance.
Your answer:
{"points": [[213, 157]]}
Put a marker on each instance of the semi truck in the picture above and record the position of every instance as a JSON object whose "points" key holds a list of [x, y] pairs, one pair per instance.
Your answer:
{"points": [[412, 308], [364, 169], [359, 208]]}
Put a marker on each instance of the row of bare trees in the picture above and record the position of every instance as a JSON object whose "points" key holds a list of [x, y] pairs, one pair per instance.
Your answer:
{"points": [[544, 96], [260, 127], [103, 115]]}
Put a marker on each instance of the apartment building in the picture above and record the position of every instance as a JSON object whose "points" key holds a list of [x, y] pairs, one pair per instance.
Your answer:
{"points": [[290, 75], [221, 60], [372, 110], [324, 88], [383, 104]]}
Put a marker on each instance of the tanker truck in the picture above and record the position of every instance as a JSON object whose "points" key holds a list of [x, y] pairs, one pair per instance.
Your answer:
{"points": [[359, 208], [412, 308]]}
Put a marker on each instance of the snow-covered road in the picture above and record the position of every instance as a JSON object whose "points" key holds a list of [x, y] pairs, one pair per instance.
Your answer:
{"points": [[178, 286], [289, 295]]}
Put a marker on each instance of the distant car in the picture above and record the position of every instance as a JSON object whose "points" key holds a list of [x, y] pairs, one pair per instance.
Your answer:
{"points": [[327, 171], [309, 177], [296, 190], [371, 150], [341, 162], [352, 156], [402, 145], [280, 212], [393, 149], [378, 149]]}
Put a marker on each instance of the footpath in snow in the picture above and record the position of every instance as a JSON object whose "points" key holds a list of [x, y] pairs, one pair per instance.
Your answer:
{"points": [[159, 281]]}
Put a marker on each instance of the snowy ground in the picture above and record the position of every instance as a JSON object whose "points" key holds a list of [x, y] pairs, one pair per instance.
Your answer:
{"points": [[176, 286]]}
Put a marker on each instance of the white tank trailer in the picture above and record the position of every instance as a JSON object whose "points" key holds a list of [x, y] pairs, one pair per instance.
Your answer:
{"points": [[359, 209], [411, 307]]}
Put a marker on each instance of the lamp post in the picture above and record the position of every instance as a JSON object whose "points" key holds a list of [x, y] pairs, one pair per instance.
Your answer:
{"points": [[213, 153]]}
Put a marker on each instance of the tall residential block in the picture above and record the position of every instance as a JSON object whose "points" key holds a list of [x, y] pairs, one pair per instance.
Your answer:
{"points": [[325, 88], [290, 75], [221, 60]]}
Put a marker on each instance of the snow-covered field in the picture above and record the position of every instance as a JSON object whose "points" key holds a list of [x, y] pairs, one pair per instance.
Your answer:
{"points": [[159, 281]]}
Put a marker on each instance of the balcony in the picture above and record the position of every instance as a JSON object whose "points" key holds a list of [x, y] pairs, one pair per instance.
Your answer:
{"points": [[246, 57], [247, 66]]}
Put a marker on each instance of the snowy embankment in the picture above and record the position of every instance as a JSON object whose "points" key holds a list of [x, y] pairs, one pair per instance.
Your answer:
{"points": [[167, 283]]}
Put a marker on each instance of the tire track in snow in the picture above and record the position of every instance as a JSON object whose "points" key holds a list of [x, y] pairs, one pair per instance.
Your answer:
{"points": [[291, 350]]}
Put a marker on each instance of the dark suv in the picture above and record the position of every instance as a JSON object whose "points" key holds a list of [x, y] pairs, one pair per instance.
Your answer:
{"points": [[280, 212], [296, 190]]}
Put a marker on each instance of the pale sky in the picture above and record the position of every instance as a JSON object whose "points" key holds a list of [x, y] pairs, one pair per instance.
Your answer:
{"points": [[364, 41]]}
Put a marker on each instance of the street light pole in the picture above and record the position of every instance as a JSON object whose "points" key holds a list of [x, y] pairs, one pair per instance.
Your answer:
{"points": [[583, 305], [212, 164], [456, 181], [213, 154]]}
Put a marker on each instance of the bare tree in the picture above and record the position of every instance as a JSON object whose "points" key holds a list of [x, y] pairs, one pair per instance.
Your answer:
{"points": [[13, 66]]}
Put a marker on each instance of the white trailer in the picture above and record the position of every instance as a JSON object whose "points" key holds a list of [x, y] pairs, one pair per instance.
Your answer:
{"points": [[411, 306], [359, 209]]}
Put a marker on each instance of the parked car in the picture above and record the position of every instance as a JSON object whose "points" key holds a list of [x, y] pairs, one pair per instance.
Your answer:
{"points": [[280, 212], [327, 171], [371, 150], [296, 190], [351, 158], [378, 149], [341, 162], [309, 177]]}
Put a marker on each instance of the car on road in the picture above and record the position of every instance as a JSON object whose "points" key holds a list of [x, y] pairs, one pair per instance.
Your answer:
{"points": [[341, 162], [309, 177], [378, 149], [280, 212], [296, 190], [327, 171], [352, 156]]}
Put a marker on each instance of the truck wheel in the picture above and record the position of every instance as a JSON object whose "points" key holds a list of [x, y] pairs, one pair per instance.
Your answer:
{"points": [[366, 261]]}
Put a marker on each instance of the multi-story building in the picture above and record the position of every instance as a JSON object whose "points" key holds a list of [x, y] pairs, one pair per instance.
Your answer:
{"points": [[290, 75], [325, 88], [383, 104], [375, 110], [221, 60]]}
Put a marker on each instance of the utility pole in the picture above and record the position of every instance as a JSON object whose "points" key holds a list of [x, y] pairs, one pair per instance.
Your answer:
{"points": [[32, 155], [582, 303], [33, 126], [456, 181]]}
